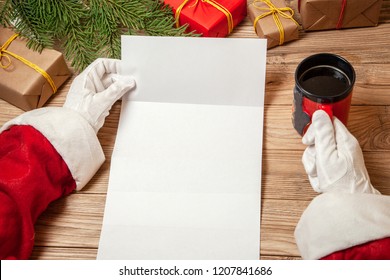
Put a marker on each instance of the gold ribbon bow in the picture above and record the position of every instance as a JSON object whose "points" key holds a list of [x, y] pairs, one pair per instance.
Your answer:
{"points": [[285, 12], [213, 3], [5, 54]]}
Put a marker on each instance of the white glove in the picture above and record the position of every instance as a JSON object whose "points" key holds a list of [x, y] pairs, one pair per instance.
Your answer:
{"points": [[333, 159], [96, 89]]}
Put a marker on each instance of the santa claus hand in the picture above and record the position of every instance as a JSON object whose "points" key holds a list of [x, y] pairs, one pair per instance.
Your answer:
{"points": [[96, 89], [333, 159]]}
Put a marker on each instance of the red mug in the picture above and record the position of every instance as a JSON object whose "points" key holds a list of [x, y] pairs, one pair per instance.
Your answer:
{"points": [[322, 82]]}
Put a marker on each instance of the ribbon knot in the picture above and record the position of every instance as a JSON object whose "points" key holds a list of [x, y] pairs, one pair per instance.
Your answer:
{"points": [[213, 3], [4, 53], [276, 12]]}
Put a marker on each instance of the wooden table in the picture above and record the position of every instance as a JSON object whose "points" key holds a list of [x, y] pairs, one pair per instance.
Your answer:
{"points": [[70, 227]]}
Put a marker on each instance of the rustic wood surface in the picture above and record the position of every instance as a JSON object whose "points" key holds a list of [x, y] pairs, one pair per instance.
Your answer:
{"points": [[70, 227]]}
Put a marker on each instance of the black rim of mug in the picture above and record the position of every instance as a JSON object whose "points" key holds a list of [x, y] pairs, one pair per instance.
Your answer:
{"points": [[329, 60]]}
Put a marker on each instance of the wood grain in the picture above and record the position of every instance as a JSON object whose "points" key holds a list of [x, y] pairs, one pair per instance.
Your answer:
{"points": [[70, 227]]}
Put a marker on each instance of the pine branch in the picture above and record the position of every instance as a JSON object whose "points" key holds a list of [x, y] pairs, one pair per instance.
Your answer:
{"points": [[28, 21], [160, 21], [130, 14], [87, 29], [63, 13], [78, 48], [104, 28], [5, 12]]}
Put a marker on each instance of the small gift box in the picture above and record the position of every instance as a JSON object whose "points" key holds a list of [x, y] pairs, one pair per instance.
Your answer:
{"points": [[28, 78], [337, 14], [211, 18], [274, 21]]}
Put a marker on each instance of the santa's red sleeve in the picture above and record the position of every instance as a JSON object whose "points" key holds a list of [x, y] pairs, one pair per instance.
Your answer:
{"points": [[44, 155], [345, 226]]}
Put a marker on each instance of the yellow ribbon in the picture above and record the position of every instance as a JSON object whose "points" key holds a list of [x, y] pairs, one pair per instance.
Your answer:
{"points": [[213, 3], [285, 12], [4, 53]]}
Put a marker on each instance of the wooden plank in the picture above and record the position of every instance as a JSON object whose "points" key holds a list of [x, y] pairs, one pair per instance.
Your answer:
{"points": [[372, 85], [327, 40], [279, 218], [63, 253], [278, 221], [278, 258], [72, 221], [284, 177], [369, 124]]}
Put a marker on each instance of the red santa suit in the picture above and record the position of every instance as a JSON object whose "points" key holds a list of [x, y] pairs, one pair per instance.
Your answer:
{"points": [[350, 219], [48, 153]]}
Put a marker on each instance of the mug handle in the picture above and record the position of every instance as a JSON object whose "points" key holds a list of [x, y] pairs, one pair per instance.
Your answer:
{"points": [[328, 109]]}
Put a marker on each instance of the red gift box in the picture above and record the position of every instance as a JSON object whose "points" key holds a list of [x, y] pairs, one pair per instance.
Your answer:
{"points": [[211, 18]]}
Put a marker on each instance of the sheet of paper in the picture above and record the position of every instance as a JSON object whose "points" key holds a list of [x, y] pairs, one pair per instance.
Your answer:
{"points": [[185, 179]]}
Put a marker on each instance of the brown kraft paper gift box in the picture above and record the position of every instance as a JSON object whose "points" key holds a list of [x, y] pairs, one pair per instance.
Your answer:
{"points": [[266, 26], [20, 84], [337, 14]]}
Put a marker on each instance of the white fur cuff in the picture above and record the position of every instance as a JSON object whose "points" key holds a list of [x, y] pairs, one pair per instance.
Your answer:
{"points": [[337, 221]]}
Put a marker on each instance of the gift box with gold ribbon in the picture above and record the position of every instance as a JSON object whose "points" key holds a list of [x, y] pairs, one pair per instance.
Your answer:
{"points": [[211, 18], [338, 14], [28, 78], [274, 21]]}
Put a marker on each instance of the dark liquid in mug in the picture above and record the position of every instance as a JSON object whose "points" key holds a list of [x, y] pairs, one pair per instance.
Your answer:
{"points": [[324, 80]]}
